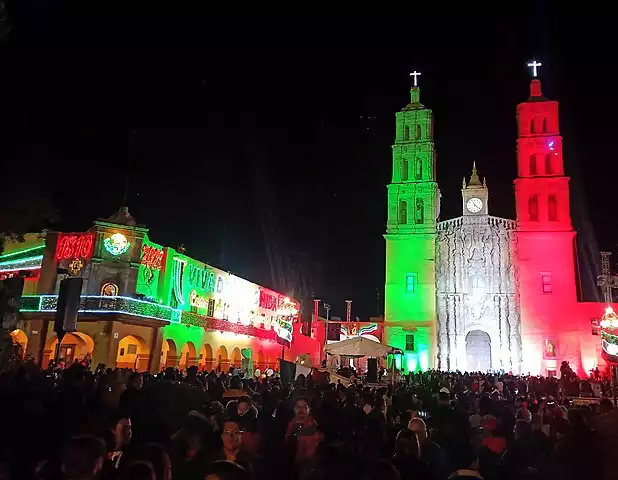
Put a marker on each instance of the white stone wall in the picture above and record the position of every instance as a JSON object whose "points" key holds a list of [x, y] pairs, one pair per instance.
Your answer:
{"points": [[477, 289]]}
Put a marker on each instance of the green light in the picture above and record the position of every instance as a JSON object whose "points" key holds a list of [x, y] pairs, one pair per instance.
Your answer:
{"points": [[149, 278], [413, 204], [411, 362], [21, 252], [116, 244], [27, 263]]}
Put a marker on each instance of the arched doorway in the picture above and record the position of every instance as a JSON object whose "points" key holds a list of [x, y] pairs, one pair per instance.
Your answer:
{"points": [[236, 360], [19, 337], [133, 352], [206, 361], [188, 356], [169, 354], [222, 361], [75, 346], [478, 351]]}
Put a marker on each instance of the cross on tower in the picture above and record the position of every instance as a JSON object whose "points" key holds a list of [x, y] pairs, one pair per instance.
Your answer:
{"points": [[415, 74], [534, 65]]}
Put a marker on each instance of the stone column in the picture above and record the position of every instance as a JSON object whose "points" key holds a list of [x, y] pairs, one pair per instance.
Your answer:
{"points": [[156, 346], [505, 350]]}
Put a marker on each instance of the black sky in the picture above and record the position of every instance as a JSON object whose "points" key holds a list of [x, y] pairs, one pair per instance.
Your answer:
{"points": [[263, 145]]}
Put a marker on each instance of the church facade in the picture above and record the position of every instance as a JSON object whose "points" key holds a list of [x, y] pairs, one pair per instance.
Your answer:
{"points": [[479, 292]]}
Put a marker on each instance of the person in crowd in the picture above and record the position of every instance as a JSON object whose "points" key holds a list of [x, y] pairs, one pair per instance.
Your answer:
{"points": [[224, 470], [139, 470], [430, 452], [407, 458], [303, 435], [117, 438], [82, 458], [192, 378], [430, 425]]}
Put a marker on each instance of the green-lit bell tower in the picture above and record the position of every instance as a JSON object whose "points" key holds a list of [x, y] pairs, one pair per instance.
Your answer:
{"points": [[413, 208]]}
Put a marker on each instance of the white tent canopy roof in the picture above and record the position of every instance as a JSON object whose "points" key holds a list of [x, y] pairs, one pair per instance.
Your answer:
{"points": [[359, 347]]}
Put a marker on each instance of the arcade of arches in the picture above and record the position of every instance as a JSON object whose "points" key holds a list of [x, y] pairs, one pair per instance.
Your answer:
{"points": [[74, 346], [133, 352], [145, 347]]}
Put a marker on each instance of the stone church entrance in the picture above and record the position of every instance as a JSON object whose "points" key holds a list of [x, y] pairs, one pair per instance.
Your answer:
{"points": [[478, 351]]}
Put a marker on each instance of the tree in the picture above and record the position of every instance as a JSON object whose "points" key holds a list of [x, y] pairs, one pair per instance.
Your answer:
{"points": [[24, 210]]}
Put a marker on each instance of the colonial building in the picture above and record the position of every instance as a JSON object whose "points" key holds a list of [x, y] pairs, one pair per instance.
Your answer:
{"points": [[478, 309], [145, 306], [479, 292]]}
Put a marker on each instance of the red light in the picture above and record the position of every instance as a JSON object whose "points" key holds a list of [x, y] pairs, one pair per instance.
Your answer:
{"points": [[152, 257], [70, 246]]}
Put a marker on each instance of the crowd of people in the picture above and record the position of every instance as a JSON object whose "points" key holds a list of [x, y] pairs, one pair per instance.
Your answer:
{"points": [[80, 423]]}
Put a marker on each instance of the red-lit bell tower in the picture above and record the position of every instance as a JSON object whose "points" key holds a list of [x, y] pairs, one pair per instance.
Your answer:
{"points": [[545, 236]]}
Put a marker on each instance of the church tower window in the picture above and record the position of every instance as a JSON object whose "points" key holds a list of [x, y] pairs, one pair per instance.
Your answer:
{"points": [[411, 283], [419, 216], [546, 283], [548, 169], [409, 342], [532, 129], [532, 166], [404, 170], [418, 169], [418, 132], [403, 212], [545, 125], [552, 208], [406, 133], [533, 208]]}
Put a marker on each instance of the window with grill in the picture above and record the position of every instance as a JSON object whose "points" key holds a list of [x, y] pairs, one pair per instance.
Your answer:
{"points": [[404, 170], [548, 166], [533, 208], [552, 208], [409, 342], [532, 166], [411, 283]]}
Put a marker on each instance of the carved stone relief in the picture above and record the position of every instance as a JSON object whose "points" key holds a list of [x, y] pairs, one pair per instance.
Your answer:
{"points": [[476, 284]]}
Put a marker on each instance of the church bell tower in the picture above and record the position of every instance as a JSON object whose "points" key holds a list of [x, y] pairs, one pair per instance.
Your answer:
{"points": [[545, 236], [475, 195], [413, 207]]}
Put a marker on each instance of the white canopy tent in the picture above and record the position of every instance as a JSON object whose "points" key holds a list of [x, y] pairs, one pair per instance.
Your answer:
{"points": [[359, 347]]}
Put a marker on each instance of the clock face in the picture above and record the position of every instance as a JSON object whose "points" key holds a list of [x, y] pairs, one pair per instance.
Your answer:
{"points": [[474, 205]]}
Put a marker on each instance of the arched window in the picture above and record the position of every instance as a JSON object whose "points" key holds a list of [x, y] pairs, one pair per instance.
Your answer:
{"points": [[548, 169], [532, 164], [532, 129], [406, 133], [545, 125], [403, 212], [109, 289], [419, 214], [418, 132], [533, 208], [552, 208], [418, 169], [404, 170]]}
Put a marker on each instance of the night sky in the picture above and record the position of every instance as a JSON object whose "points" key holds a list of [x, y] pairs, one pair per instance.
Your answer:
{"points": [[263, 146]]}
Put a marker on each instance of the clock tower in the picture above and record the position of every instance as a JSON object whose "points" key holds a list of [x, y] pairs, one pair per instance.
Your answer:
{"points": [[474, 195]]}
